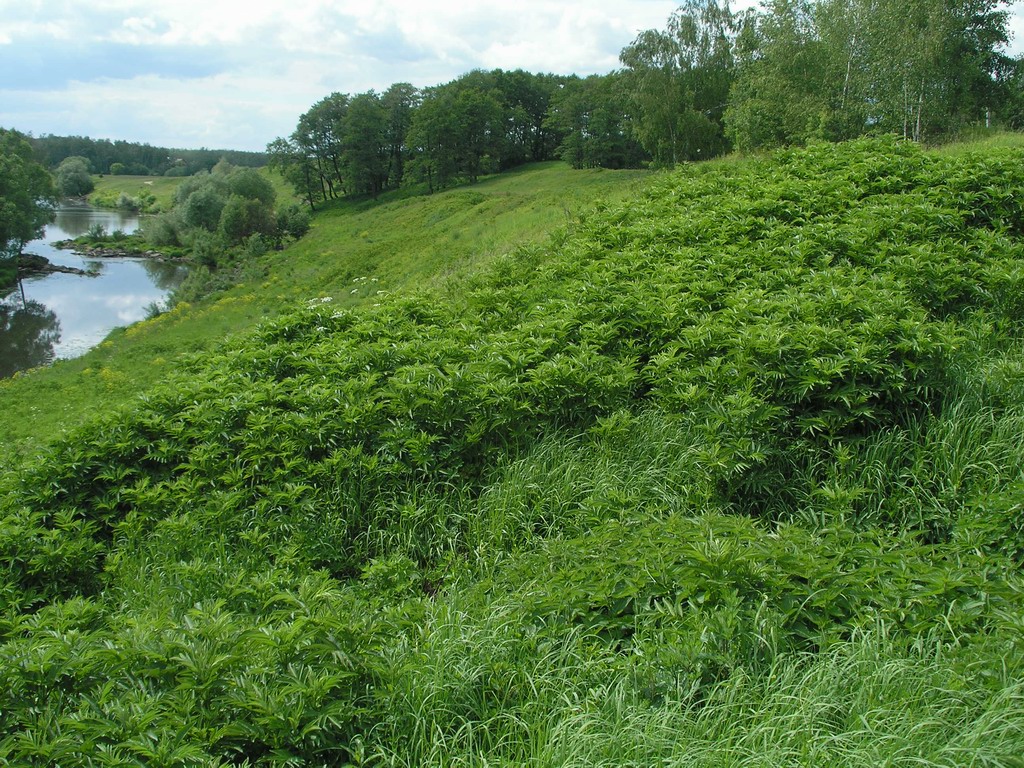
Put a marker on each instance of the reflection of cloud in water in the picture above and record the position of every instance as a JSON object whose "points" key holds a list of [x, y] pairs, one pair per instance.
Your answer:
{"points": [[88, 308], [128, 308]]}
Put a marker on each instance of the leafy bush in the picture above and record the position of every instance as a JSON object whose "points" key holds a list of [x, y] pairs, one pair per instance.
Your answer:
{"points": [[756, 425]]}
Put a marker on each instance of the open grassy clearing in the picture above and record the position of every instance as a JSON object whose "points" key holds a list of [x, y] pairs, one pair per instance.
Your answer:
{"points": [[110, 188]]}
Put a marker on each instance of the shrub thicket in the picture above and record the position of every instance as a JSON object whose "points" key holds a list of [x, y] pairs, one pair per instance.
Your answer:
{"points": [[729, 473]]}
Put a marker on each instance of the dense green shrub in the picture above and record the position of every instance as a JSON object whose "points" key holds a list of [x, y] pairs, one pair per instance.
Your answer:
{"points": [[761, 421]]}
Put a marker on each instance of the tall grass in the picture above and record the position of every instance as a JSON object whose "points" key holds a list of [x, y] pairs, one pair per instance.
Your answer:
{"points": [[867, 702]]}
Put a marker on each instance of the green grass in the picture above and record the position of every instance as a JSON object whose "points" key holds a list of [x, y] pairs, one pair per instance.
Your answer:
{"points": [[726, 473], [982, 140], [110, 188], [354, 250]]}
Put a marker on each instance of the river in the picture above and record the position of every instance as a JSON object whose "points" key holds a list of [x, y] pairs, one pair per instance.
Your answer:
{"points": [[62, 315]]}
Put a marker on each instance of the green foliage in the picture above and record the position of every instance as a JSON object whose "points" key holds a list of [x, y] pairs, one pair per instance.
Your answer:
{"points": [[836, 69], [678, 82], [242, 217], [293, 221], [203, 207], [591, 114], [401, 240], [364, 144], [134, 159], [73, 179], [250, 184], [27, 195], [457, 133], [215, 214], [726, 473]]}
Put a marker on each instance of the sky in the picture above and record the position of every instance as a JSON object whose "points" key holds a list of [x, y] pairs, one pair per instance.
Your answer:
{"points": [[236, 74]]}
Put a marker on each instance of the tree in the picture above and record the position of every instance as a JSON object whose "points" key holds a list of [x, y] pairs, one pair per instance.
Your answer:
{"points": [[478, 132], [781, 94], [297, 168], [319, 139], [202, 209], [526, 99], [73, 179], [365, 144], [932, 64], [243, 217], [679, 81], [591, 117], [252, 185], [400, 101], [841, 68], [27, 196]]}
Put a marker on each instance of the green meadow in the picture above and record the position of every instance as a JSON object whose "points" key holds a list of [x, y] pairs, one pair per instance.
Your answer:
{"points": [[712, 467], [109, 190]]}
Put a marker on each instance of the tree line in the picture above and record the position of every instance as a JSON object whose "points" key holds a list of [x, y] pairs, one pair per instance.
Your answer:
{"points": [[711, 81], [481, 123], [120, 158]]}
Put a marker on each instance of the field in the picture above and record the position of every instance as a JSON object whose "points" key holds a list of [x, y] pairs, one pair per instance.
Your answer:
{"points": [[725, 471], [109, 189]]}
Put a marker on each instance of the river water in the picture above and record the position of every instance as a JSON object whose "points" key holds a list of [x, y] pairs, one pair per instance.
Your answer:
{"points": [[63, 316]]}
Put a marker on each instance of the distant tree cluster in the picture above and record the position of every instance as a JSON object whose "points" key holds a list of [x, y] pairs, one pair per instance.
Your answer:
{"points": [[481, 123], [711, 81], [125, 158], [223, 209]]}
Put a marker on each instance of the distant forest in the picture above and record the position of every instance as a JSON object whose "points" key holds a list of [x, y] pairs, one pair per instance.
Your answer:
{"points": [[133, 159], [710, 82]]}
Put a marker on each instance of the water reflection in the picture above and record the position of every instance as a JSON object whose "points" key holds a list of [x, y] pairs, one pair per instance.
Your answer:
{"points": [[77, 220], [28, 333], [165, 275], [88, 308]]}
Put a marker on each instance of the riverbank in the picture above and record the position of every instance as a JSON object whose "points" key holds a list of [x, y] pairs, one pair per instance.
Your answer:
{"points": [[33, 265], [88, 296], [730, 469], [93, 250]]}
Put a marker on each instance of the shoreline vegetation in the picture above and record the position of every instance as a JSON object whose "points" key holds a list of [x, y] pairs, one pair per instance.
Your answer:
{"points": [[102, 248]]}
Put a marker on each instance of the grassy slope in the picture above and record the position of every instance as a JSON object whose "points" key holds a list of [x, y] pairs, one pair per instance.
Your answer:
{"points": [[398, 242], [110, 188], [734, 479]]}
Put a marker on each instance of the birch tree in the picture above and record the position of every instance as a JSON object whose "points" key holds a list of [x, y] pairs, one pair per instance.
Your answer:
{"points": [[679, 81]]}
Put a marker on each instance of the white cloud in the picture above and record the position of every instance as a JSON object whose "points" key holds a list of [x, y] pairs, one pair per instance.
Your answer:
{"points": [[238, 73]]}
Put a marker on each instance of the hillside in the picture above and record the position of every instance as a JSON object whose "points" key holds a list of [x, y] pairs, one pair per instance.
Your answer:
{"points": [[728, 473], [396, 242]]}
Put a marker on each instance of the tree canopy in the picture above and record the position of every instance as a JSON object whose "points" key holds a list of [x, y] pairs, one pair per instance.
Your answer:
{"points": [[711, 81], [73, 179], [27, 194]]}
